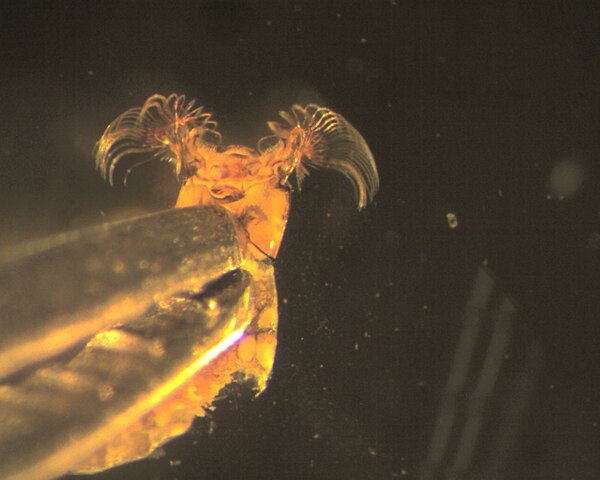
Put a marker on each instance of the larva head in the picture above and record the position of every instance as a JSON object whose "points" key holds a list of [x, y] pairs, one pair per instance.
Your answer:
{"points": [[253, 186], [235, 177], [243, 182]]}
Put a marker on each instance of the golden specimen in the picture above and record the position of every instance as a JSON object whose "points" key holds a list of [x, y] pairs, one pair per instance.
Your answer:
{"points": [[149, 371]]}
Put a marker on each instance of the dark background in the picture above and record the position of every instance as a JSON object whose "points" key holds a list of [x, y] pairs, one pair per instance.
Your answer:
{"points": [[488, 112]]}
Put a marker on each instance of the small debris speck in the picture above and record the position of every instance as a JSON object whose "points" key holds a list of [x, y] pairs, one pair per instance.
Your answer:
{"points": [[158, 453], [118, 266], [452, 220]]}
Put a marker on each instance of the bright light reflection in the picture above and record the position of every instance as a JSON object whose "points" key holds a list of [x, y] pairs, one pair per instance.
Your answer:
{"points": [[79, 450]]}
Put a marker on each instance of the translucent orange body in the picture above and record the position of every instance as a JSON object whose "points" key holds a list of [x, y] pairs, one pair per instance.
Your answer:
{"points": [[252, 184]]}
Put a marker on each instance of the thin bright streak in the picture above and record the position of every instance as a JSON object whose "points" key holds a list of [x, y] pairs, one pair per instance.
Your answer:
{"points": [[54, 465]]}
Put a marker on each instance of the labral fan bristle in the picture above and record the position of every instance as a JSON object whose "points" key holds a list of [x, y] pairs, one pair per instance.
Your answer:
{"points": [[154, 131], [328, 140]]}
